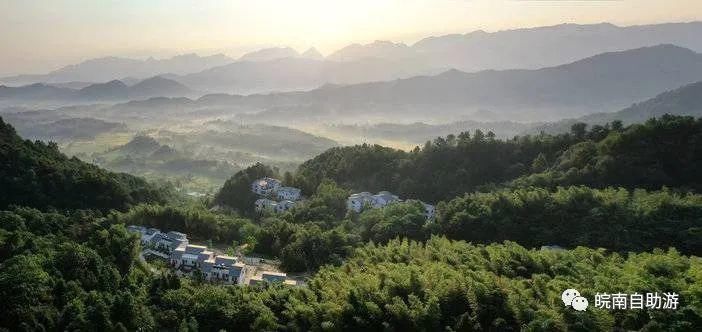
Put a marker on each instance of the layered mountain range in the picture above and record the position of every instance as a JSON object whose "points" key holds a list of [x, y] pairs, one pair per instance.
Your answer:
{"points": [[285, 69], [114, 90], [602, 83]]}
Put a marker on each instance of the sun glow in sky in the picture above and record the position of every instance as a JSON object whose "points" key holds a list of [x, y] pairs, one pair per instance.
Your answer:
{"points": [[37, 36]]}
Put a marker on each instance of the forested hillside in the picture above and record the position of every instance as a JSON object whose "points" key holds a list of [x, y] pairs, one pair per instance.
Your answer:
{"points": [[36, 174], [685, 100], [68, 272], [380, 269], [614, 218], [440, 170], [660, 152], [236, 192], [146, 157]]}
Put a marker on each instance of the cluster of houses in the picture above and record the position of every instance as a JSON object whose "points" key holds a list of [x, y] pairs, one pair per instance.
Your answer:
{"points": [[153, 238], [359, 201], [275, 197], [187, 257], [215, 268], [278, 199]]}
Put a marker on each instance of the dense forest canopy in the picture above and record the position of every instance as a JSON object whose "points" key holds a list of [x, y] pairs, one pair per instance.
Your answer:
{"points": [[236, 192], [36, 174], [618, 217], [660, 152], [589, 191], [614, 218], [75, 272]]}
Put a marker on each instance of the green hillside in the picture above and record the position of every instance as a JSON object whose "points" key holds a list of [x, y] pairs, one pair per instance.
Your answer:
{"points": [[686, 101], [660, 152], [36, 174], [479, 266]]}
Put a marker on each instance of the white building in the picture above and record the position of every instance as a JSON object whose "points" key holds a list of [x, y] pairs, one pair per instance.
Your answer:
{"points": [[190, 256], [154, 238], [263, 204], [224, 269], [272, 277], [356, 202], [384, 198], [288, 193], [283, 206], [429, 211], [265, 186]]}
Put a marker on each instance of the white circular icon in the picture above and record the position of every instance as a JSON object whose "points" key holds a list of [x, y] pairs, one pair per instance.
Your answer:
{"points": [[579, 303], [568, 295]]}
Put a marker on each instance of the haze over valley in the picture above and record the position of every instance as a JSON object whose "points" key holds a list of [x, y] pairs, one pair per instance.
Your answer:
{"points": [[351, 165], [217, 114]]}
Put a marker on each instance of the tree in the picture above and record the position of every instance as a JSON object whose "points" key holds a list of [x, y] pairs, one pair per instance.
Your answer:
{"points": [[236, 192], [539, 164], [395, 220], [578, 130]]}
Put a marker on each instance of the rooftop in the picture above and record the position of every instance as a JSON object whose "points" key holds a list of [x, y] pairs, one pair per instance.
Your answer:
{"points": [[271, 273]]}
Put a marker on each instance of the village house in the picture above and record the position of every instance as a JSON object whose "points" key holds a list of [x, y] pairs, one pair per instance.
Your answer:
{"points": [[265, 186], [271, 188], [429, 211], [288, 193], [283, 206], [272, 277], [384, 198], [154, 238], [190, 256], [215, 268], [356, 202], [263, 204], [223, 269], [146, 233]]}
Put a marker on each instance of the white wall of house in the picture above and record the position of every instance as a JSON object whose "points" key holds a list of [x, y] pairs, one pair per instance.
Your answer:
{"points": [[288, 193], [265, 186]]}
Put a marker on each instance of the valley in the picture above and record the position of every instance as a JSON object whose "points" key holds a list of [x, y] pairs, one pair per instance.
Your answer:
{"points": [[476, 181]]}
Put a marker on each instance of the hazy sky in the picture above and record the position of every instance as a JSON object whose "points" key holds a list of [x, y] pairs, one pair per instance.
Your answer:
{"points": [[38, 36]]}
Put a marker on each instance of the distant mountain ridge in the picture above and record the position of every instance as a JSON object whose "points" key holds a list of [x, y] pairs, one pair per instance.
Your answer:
{"points": [[529, 48], [115, 68], [114, 90], [686, 100], [532, 48], [608, 81], [295, 73], [604, 82], [68, 129], [285, 69]]}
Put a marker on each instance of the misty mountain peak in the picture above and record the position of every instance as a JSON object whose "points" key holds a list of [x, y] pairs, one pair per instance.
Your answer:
{"points": [[113, 84], [453, 72], [312, 54], [155, 80], [377, 49], [268, 54], [386, 43]]}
